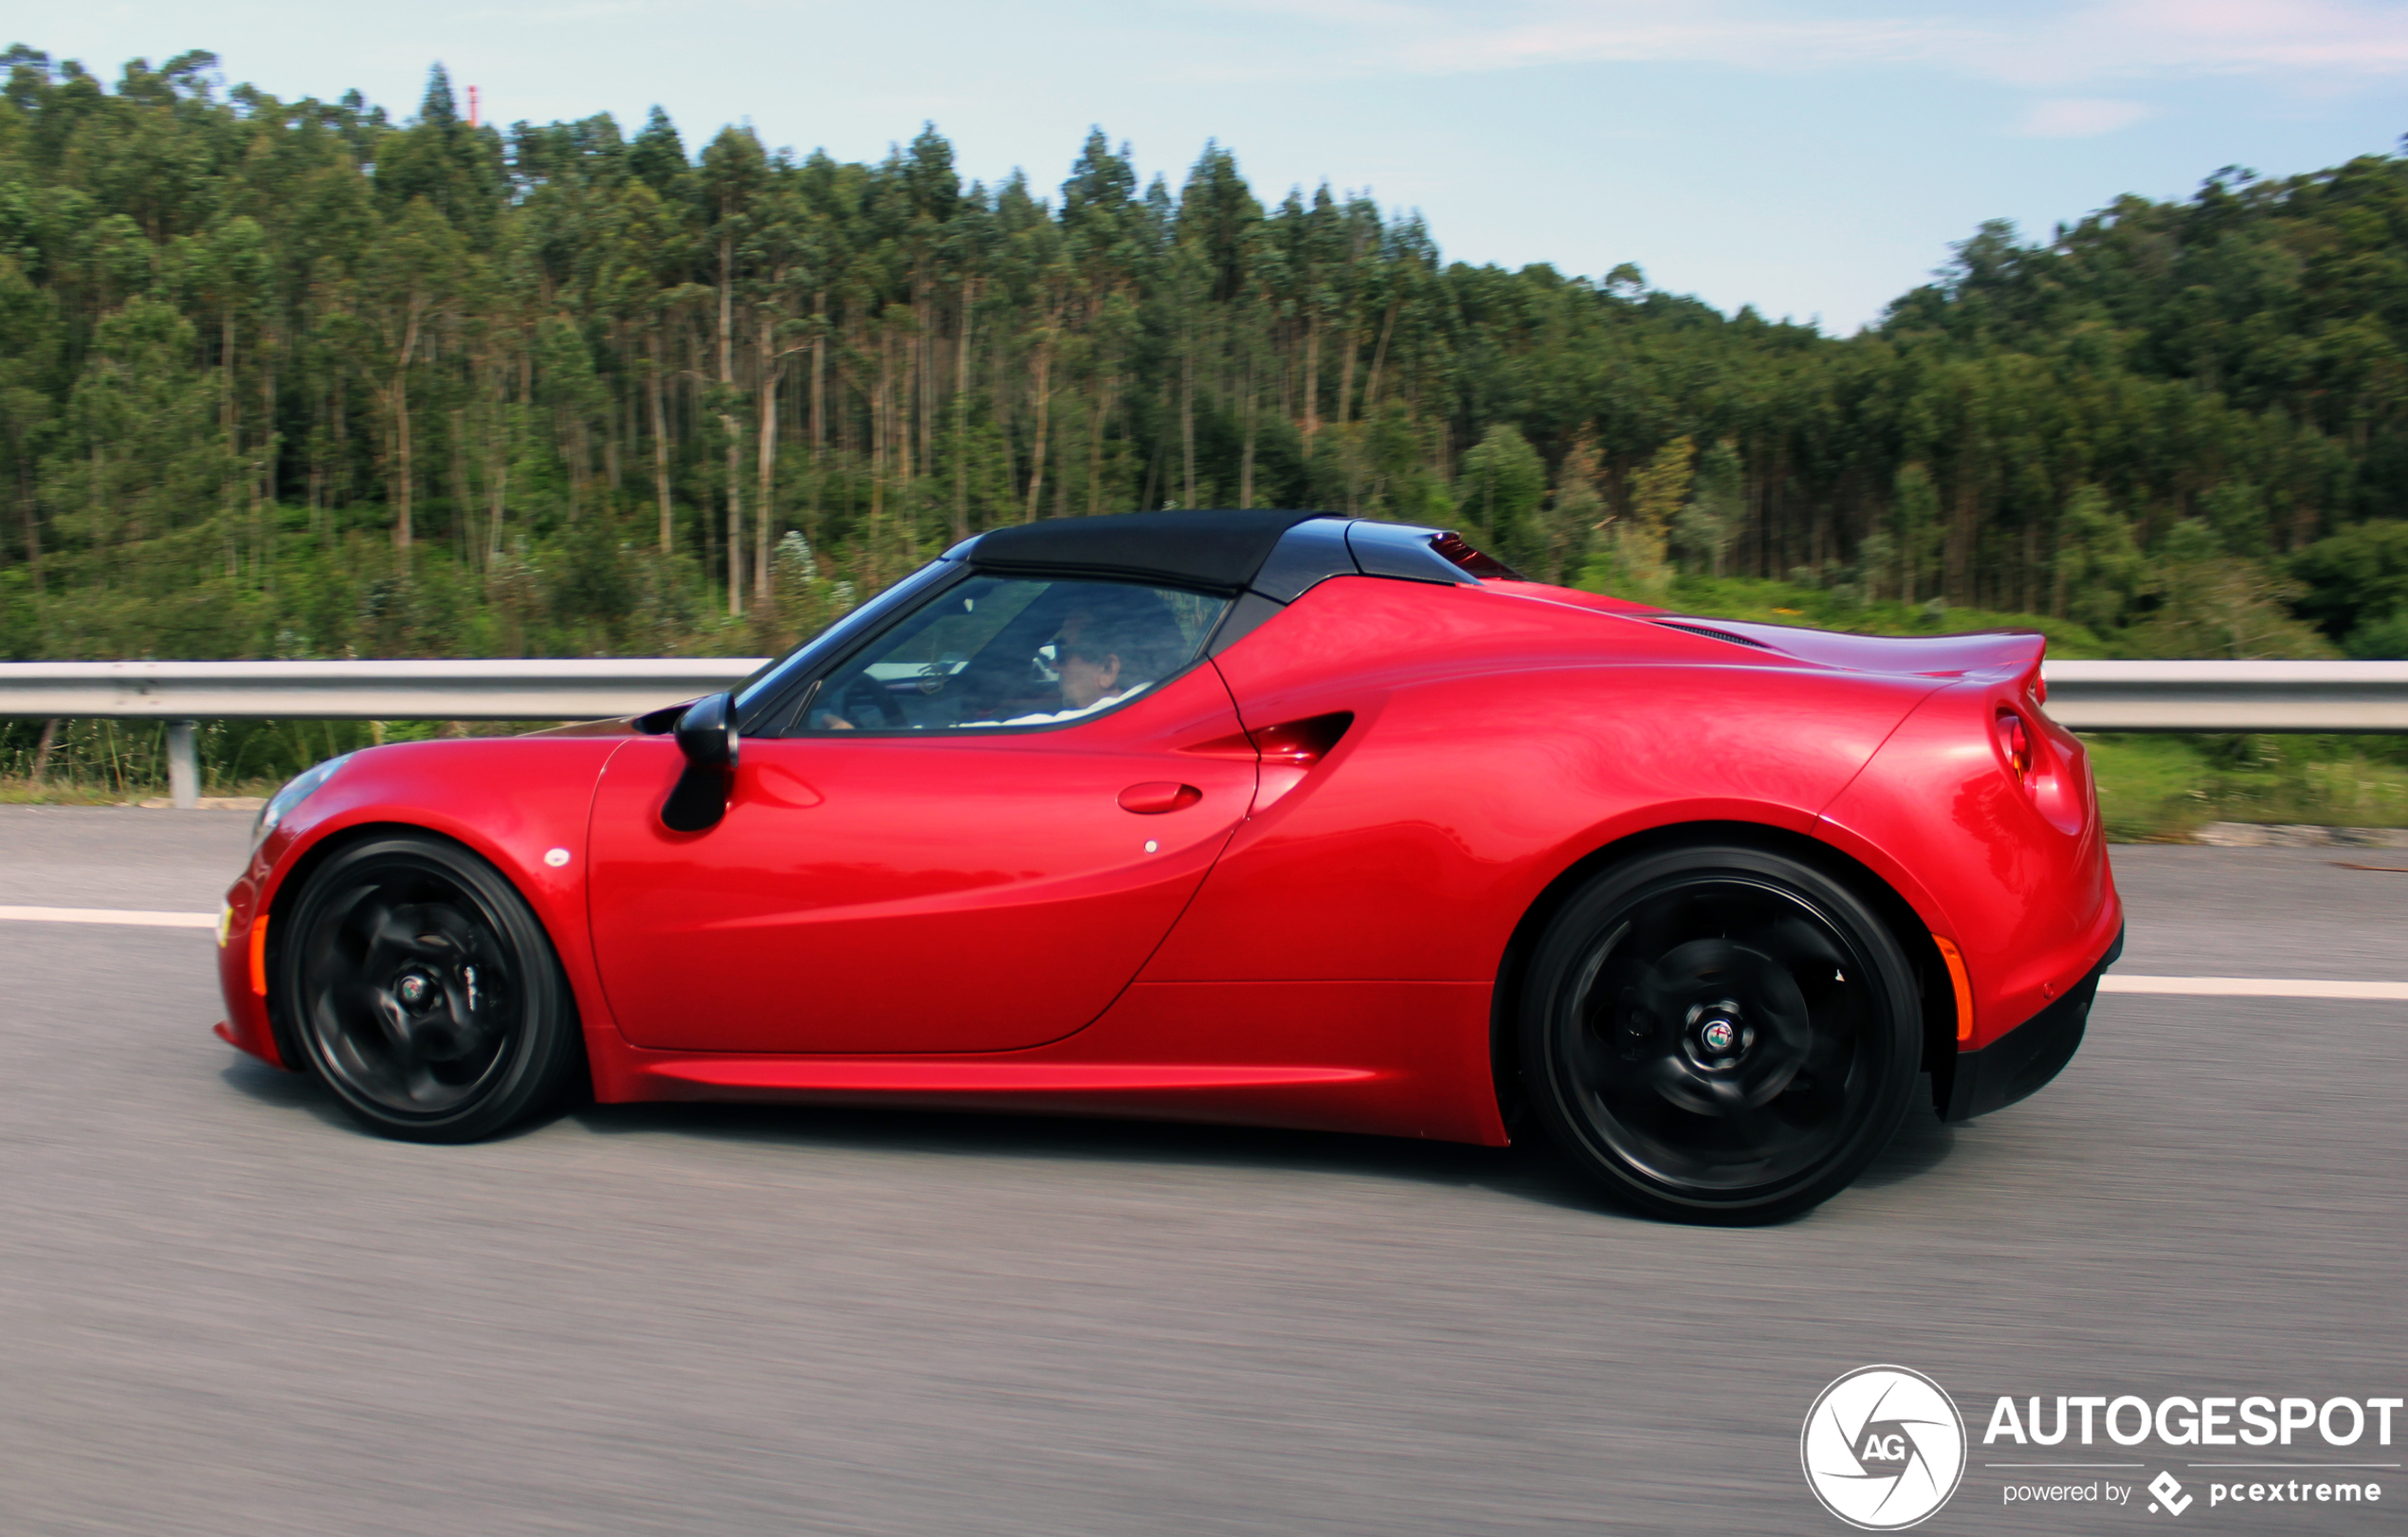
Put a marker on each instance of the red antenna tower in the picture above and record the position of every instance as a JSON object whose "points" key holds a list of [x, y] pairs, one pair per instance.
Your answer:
{"points": [[472, 106]]}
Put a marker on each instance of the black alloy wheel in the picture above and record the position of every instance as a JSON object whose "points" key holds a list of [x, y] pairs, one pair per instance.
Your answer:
{"points": [[424, 991], [1720, 1034]]}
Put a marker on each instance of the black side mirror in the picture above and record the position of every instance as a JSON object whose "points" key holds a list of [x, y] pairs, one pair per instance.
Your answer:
{"points": [[706, 735]]}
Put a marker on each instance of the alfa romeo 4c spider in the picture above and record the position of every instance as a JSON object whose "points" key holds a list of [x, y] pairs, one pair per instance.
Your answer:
{"points": [[1268, 818]]}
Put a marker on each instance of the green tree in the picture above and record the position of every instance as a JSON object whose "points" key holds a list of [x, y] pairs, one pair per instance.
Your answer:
{"points": [[2100, 569], [2354, 587], [1703, 530], [28, 352], [410, 280], [1915, 511], [1504, 479], [1575, 508], [735, 174], [2213, 605], [1659, 491]]}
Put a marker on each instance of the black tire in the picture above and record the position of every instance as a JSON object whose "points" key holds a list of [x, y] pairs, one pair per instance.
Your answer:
{"points": [[1719, 1033], [424, 991]]}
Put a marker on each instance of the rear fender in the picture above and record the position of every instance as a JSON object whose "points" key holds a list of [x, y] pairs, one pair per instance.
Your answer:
{"points": [[2015, 877]]}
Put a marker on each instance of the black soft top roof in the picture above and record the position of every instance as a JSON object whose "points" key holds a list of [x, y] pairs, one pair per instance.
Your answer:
{"points": [[1220, 549]]}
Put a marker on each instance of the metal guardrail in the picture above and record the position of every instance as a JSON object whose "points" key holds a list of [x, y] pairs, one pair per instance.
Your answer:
{"points": [[2087, 696], [537, 689], [2229, 696]]}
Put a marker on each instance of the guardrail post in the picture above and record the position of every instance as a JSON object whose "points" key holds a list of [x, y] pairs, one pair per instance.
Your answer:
{"points": [[184, 764]]}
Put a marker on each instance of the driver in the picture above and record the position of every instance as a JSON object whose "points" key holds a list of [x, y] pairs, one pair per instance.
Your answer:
{"points": [[1090, 668], [1112, 645]]}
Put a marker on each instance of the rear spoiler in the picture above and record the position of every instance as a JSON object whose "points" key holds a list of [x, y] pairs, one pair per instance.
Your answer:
{"points": [[1998, 656]]}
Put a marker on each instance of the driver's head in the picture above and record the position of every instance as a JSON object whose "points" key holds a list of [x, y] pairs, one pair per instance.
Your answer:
{"points": [[1113, 640], [1090, 670]]}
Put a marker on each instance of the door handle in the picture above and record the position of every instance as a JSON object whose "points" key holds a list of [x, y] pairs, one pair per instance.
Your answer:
{"points": [[1156, 796]]}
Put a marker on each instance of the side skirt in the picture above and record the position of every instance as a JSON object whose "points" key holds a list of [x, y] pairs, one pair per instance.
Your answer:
{"points": [[1399, 1059]]}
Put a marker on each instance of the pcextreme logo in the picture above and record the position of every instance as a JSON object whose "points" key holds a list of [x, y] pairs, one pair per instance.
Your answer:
{"points": [[1883, 1448]]}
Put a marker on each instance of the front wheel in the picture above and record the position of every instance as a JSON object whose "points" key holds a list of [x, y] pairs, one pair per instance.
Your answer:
{"points": [[424, 991], [1720, 1034]]}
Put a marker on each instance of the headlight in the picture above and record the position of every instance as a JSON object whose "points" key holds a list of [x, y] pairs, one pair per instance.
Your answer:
{"points": [[297, 790]]}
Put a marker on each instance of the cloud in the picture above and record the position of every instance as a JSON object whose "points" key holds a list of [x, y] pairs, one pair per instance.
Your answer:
{"points": [[1633, 32], [2050, 43], [2078, 116], [2250, 35]]}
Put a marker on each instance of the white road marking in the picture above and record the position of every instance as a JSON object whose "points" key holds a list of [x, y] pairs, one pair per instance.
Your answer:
{"points": [[109, 915], [2254, 987], [2194, 987]]}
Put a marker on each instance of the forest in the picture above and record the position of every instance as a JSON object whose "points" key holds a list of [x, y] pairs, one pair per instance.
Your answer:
{"points": [[298, 379]]}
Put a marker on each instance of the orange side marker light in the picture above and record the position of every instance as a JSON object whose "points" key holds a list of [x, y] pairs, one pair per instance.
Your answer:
{"points": [[259, 954], [1958, 981]]}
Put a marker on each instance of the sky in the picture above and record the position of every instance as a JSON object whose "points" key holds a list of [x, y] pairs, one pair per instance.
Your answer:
{"points": [[1813, 158]]}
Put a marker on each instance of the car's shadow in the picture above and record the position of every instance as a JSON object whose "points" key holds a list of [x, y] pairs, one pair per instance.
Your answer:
{"points": [[1529, 1169], [1526, 1169], [1922, 1145], [285, 1090]]}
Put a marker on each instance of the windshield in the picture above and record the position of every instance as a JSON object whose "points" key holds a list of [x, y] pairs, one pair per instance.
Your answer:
{"points": [[763, 688]]}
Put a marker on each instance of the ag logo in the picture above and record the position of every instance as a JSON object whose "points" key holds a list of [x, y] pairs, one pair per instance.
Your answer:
{"points": [[1883, 1448]]}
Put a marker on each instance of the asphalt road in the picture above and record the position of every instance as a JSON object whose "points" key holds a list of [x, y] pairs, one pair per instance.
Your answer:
{"points": [[222, 1310]]}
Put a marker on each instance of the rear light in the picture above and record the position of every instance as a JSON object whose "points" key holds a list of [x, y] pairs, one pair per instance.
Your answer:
{"points": [[2049, 766], [2015, 740], [1454, 551]]}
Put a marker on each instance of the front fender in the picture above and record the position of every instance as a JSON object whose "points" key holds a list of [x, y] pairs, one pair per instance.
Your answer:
{"points": [[525, 804]]}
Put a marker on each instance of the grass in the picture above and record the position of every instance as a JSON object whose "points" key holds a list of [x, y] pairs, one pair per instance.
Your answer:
{"points": [[53, 791], [2163, 788], [22, 792]]}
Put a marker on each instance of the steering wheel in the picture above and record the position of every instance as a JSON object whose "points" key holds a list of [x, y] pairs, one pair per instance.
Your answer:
{"points": [[869, 692]]}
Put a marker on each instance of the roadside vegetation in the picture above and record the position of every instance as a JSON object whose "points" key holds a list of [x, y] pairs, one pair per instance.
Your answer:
{"points": [[2162, 788]]}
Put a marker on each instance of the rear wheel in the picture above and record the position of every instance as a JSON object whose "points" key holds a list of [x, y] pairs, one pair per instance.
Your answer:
{"points": [[424, 991], [1719, 1033]]}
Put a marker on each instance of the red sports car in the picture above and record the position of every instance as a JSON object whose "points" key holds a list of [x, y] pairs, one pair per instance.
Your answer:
{"points": [[1272, 817]]}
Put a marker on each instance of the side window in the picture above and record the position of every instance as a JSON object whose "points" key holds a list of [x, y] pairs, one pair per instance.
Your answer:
{"points": [[994, 653]]}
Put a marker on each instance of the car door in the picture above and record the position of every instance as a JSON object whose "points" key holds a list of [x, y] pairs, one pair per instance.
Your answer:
{"points": [[933, 859]]}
